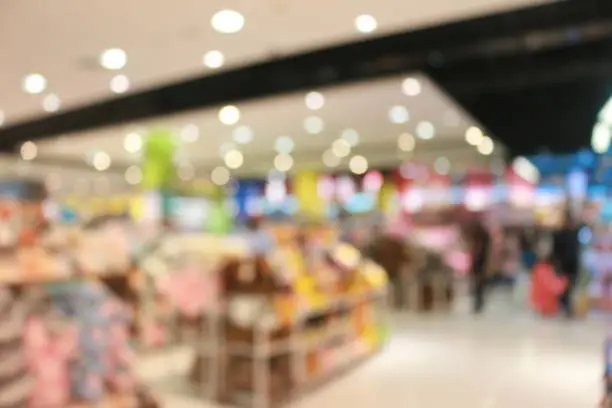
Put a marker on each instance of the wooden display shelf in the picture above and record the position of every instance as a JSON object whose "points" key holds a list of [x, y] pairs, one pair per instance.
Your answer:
{"points": [[112, 401]]}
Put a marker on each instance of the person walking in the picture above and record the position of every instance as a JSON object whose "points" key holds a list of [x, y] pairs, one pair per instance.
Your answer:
{"points": [[566, 256], [480, 243]]}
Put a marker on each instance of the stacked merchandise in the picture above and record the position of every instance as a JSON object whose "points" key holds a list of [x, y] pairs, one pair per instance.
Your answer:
{"points": [[421, 278], [64, 335], [65, 346], [263, 328]]}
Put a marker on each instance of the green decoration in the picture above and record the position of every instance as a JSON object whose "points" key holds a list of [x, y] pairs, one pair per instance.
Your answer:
{"points": [[219, 218], [158, 162]]}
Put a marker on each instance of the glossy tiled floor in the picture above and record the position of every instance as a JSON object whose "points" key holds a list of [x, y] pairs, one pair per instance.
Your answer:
{"points": [[504, 359]]}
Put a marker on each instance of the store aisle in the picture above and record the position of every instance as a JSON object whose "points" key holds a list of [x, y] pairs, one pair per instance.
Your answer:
{"points": [[503, 359]]}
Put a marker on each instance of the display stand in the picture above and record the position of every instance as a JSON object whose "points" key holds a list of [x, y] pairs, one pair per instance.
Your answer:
{"points": [[270, 335]]}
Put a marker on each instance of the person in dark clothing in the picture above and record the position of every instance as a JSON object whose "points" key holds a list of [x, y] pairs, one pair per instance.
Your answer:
{"points": [[480, 243], [566, 258]]}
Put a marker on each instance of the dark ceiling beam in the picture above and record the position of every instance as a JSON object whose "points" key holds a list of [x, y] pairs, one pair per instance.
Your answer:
{"points": [[515, 34]]}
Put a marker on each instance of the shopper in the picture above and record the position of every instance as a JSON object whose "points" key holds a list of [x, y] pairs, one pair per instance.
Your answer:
{"points": [[546, 286], [480, 243], [566, 255]]}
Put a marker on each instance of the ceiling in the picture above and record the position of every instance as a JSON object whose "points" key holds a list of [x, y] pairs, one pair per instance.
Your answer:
{"points": [[364, 107], [63, 39]]}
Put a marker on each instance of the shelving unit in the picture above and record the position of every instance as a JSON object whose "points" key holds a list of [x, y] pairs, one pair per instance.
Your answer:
{"points": [[287, 343]]}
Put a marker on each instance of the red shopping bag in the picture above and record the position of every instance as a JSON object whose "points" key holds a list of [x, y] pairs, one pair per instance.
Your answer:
{"points": [[546, 287]]}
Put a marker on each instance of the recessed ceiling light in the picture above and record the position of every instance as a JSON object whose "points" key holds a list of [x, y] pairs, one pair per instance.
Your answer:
{"points": [[411, 86], [442, 165], [29, 151], [186, 171], [358, 164], [365, 23], [243, 134], [399, 114], [426, 130], [120, 84], [341, 148], [213, 59], [406, 142], [473, 136], [220, 176], [314, 100], [227, 21], [51, 103], [351, 136], [34, 84], [330, 159], [284, 144], [226, 147], [190, 133], [229, 115], [486, 146], [283, 162], [133, 175], [101, 161], [601, 138], [313, 125], [113, 59], [132, 143], [233, 159]]}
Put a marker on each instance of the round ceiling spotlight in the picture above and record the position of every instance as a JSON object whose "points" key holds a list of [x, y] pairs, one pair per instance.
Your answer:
{"points": [[358, 164], [51, 103], [351, 136], [442, 165], [601, 138], [341, 148], [243, 134], [233, 159], [283, 162], [132, 143], [190, 133], [220, 176], [229, 115], [113, 59], [330, 159], [406, 142], [313, 125], [474, 136], [213, 59], [34, 84], [101, 161], [398, 114], [120, 84], [426, 130], [29, 151], [411, 87], [133, 175], [366, 23], [314, 100], [284, 144], [227, 21], [486, 146]]}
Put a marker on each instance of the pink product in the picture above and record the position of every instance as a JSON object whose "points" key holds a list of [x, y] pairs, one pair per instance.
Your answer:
{"points": [[48, 357], [190, 290]]}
